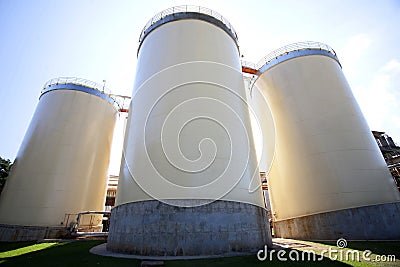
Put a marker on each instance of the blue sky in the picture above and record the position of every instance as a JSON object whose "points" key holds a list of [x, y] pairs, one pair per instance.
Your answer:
{"points": [[98, 40]]}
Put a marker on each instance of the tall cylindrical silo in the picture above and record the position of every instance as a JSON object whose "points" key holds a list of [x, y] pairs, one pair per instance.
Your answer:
{"points": [[328, 178], [262, 125], [61, 167], [189, 183], [263, 129]]}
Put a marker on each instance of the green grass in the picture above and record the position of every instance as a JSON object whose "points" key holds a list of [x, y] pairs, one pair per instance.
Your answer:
{"points": [[15, 245], [377, 249], [26, 249], [63, 254], [77, 254]]}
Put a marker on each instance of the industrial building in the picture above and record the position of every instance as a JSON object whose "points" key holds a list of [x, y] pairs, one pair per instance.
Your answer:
{"points": [[391, 154], [112, 186], [189, 183]]}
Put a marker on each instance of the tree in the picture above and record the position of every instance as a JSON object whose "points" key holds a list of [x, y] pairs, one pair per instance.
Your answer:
{"points": [[5, 167]]}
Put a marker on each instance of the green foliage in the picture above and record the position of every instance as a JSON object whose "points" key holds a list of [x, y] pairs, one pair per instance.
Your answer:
{"points": [[5, 167]]}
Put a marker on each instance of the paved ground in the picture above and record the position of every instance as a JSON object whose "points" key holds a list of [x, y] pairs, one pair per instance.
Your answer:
{"points": [[292, 243]]}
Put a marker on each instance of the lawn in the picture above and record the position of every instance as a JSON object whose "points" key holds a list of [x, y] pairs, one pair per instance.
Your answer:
{"points": [[77, 254]]}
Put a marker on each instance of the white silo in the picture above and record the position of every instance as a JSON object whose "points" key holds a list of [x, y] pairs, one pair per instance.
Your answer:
{"points": [[189, 183], [328, 178], [262, 124], [61, 167], [263, 131]]}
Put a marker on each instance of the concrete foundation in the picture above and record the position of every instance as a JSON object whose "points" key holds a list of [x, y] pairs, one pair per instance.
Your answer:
{"points": [[153, 228], [375, 222], [13, 233]]}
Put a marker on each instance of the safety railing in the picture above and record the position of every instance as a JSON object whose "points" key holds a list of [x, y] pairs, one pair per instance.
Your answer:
{"points": [[307, 45], [273, 57], [77, 81], [185, 9], [83, 82], [248, 64], [120, 101]]}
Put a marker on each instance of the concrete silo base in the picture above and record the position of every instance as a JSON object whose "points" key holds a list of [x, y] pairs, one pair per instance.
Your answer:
{"points": [[153, 228], [375, 222], [14, 233]]}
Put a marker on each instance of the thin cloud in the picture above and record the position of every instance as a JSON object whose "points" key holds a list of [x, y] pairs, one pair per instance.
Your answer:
{"points": [[392, 67], [379, 99], [355, 47]]}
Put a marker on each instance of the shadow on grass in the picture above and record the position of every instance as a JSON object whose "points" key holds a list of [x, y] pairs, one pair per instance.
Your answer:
{"points": [[6, 246], [77, 254], [67, 254]]}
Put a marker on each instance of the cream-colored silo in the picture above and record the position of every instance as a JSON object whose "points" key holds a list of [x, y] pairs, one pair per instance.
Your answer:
{"points": [[328, 178], [263, 131], [189, 174], [61, 167], [262, 123]]}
